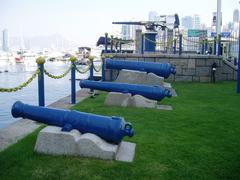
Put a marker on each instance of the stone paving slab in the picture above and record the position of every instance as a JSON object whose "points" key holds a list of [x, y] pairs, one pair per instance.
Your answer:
{"points": [[16, 131], [21, 128], [126, 152], [165, 107], [65, 103]]}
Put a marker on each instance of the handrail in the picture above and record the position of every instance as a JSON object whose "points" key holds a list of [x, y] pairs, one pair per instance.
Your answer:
{"points": [[24, 84]]}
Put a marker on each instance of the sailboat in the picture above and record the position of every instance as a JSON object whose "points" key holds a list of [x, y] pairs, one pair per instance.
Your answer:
{"points": [[19, 58]]}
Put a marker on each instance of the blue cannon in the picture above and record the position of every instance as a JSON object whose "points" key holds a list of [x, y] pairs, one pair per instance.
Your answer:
{"points": [[160, 69], [150, 92], [112, 129]]}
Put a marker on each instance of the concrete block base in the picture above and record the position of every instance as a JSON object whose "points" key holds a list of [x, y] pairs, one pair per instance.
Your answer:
{"points": [[140, 101], [137, 77], [126, 100], [117, 99], [51, 140]]}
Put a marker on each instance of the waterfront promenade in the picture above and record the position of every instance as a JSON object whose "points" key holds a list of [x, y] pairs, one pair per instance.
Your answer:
{"points": [[18, 130]]}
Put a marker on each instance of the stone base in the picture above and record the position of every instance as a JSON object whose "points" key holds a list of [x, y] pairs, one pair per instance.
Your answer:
{"points": [[137, 77], [173, 91], [51, 140], [127, 100]]}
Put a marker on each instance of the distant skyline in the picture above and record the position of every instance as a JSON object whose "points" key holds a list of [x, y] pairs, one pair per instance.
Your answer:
{"points": [[84, 21]]}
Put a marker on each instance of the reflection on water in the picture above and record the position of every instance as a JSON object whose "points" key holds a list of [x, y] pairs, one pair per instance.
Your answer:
{"points": [[18, 73]]}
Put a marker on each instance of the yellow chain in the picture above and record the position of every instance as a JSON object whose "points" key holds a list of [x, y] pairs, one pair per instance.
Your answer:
{"points": [[199, 42], [158, 43], [234, 38], [82, 72], [104, 56], [98, 70], [58, 76], [192, 41], [124, 41], [195, 46], [25, 84]]}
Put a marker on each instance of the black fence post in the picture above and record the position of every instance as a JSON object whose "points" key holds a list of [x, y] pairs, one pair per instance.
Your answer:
{"points": [[106, 42], [180, 44]]}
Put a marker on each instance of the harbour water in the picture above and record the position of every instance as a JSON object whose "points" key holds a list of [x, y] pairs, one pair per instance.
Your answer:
{"points": [[17, 73]]}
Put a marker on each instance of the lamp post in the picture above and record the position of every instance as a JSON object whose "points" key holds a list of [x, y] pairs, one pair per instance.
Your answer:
{"points": [[238, 72], [218, 26], [219, 4]]}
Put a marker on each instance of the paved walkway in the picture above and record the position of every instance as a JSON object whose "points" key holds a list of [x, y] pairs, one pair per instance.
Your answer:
{"points": [[23, 127]]}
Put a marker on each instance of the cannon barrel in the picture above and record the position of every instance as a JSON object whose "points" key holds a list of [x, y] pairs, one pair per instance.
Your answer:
{"points": [[160, 69], [142, 23], [131, 23], [151, 92], [112, 129]]}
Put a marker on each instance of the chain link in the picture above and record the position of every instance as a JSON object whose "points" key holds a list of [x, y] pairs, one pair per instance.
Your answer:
{"points": [[155, 42], [58, 76], [199, 42], [195, 42], [159, 43], [123, 41], [80, 71], [25, 84], [234, 38], [100, 67]]}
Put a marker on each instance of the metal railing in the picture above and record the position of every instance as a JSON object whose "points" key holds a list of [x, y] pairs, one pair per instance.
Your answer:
{"points": [[178, 44], [40, 71]]}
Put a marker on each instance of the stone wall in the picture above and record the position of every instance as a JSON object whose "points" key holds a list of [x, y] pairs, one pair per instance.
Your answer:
{"points": [[229, 71], [190, 68]]}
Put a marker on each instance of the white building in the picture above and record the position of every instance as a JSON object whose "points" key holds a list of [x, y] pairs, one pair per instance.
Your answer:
{"points": [[236, 15], [153, 16], [187, 22], [133, 30], [5, 40], [126, 32], [196, 22]]}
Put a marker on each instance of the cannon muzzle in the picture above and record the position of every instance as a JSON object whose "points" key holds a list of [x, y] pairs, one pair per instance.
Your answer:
{"points": [[150, 92], [112, 129], [160, 69]]}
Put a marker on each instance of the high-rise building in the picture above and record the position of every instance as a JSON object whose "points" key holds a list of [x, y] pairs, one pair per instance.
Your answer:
{"points": [[126, 32], [196, 22], [134, 28], [187, 22], [5, 40], [191, 22], [152, 16], [230, 26], [236, 15]]}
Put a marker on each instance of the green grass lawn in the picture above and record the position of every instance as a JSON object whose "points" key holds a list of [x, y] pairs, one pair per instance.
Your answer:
{"points": [[199, 139]]}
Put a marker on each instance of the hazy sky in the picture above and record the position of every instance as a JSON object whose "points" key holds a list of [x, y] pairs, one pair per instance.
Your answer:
{"points": [[83, 21]]}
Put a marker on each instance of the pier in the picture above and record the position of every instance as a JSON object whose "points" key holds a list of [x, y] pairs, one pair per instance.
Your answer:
{"points": [[21, 128]]}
